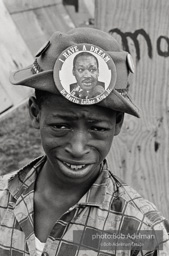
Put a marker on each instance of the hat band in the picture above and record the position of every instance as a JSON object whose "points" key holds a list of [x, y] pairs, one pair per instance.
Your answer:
{"points": [[36, 68]]}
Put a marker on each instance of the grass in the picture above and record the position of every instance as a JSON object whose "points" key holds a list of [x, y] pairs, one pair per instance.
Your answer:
{"points": [[19, 141]]}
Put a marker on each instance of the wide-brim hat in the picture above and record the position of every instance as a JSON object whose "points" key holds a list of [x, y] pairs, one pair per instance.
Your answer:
{"points": [[52, 68]]}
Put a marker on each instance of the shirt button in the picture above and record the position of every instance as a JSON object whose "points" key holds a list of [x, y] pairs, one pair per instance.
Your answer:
{"points": [[45, 254]]}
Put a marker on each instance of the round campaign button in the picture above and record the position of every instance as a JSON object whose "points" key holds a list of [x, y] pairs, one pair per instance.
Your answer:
{"points": [[130, 63], [85, 74]]}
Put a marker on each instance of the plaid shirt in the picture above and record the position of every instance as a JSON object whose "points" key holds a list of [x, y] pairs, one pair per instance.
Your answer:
{"points": [[109, 206]]}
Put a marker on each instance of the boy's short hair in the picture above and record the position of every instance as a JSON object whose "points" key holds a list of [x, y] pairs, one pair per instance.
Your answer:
{"points": [[41, 96]]}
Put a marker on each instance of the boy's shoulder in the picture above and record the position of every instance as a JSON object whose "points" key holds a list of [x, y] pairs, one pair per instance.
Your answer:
{"points": [[136, 206], [6, 178]]}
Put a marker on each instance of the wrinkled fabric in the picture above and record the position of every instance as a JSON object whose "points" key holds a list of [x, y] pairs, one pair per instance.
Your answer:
{"points": [[110, 207]]}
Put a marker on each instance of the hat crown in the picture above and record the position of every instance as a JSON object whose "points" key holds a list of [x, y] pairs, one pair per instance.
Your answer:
{"points": [[60, 41], [40, 75]]}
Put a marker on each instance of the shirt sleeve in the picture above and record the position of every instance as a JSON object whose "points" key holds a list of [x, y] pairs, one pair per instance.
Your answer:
{"points": [[162, 248]]}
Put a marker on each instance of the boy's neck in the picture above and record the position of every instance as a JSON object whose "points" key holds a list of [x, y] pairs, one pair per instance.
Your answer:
{"points": [[48, 182]]}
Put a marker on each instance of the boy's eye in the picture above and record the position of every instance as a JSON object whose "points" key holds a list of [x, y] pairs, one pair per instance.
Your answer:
{"points": [[99, 129], [60, 127]]}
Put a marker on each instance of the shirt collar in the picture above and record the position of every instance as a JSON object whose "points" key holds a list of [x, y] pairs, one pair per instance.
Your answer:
{"points": [[97, 195], [25, 177], [101, 190]]}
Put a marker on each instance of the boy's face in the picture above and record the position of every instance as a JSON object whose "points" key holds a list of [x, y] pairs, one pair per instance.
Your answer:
{"points": [[76, 139]]}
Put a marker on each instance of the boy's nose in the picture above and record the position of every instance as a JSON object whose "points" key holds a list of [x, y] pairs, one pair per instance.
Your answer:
{"points": [[77, 145]]}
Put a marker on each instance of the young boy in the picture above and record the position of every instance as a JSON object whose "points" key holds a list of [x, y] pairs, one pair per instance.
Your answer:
{"points": [[68, 202]]}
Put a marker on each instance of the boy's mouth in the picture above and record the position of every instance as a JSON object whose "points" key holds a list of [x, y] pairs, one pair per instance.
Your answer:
{"points": [[77, 170], [75, 167]]}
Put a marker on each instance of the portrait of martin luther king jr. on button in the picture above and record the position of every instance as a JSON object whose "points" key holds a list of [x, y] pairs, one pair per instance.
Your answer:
{"points": [[86, 72]]}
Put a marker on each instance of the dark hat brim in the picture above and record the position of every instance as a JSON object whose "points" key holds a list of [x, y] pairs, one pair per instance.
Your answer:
{"points": [[120, 103], [41, 81]]}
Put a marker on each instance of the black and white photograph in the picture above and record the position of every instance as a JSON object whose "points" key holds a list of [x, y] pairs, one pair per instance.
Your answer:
{"points": [[84, 128]]}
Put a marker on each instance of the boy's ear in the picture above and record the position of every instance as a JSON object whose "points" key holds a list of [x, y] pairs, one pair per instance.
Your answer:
{"points": [[119, 122], [34, 112]]}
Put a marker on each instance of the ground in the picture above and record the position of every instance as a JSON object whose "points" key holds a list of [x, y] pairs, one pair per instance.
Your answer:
{"points": [[19, 141]]}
